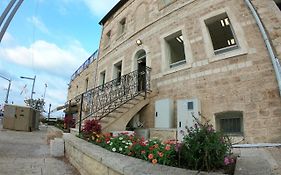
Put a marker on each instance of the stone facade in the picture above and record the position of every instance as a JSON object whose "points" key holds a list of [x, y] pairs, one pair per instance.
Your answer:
{"points": [[242, 79]]}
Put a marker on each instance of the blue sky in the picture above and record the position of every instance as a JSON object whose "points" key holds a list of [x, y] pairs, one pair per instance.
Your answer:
{"points": [[49, 39]]}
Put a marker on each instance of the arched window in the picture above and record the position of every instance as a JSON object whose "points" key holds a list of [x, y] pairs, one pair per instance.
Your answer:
{"points": [[141, 68]]}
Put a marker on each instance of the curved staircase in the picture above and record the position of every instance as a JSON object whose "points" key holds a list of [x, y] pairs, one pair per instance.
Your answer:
{"points": [[116, 102]]}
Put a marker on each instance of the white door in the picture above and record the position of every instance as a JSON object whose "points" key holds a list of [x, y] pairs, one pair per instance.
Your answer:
{"points": [[188, 111], [163, 113]]}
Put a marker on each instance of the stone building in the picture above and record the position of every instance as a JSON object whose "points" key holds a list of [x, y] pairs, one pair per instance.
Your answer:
{"points": [[213, 60]]}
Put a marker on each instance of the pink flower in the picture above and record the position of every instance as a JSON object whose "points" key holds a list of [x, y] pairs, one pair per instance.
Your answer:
{"points": [[168, 147], [178, 147], [160, 154], [226, 161], [210, 129], [150, 156]]}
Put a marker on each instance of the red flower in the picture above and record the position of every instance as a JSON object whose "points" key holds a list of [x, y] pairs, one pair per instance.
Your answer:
{"points": [[150, 156], [151, 148], [168, 147], [154, 161], [160, 154], [143, 152]]}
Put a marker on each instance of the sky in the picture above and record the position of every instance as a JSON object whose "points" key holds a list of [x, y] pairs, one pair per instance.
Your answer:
{"points": [[48, 39]]}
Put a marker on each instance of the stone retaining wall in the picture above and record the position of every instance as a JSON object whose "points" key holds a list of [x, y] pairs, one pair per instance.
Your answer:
{"points": [[90, 159], [52, 133]]}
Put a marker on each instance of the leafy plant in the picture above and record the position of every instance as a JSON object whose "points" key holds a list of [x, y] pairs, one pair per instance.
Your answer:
{"points": [[37, 104], [91, 128], [153, 151], [69, 122], [203, 148]]}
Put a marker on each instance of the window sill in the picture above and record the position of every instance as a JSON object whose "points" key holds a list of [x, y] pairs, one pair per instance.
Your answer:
{"points": [[177, 68], [106, 46], [121, 35], [235, 134], [228, 54], [176, 64]]}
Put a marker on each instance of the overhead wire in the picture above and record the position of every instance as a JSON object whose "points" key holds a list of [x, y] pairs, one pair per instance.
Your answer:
{"points": [[34, 35]]}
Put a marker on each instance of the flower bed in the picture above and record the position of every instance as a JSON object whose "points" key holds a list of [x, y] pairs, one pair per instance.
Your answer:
{"points": [[202, 149]]}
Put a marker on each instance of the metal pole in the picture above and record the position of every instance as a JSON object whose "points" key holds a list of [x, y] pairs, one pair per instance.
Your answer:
{"points": [[80, 114], [8, 91], [32, 91], [49, 111], [6, 11], [273, 56], [12, 14], [145, 81]]}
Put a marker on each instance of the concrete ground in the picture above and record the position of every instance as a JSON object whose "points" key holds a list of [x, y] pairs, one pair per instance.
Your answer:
{"points": [[27, 153], [258, 161]]}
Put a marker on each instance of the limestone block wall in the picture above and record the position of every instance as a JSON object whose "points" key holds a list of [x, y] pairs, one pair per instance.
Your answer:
{"points": [[239, 80]]}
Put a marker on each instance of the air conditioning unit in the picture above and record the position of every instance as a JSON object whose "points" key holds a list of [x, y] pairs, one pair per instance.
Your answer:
{"points": [[188, 111]]}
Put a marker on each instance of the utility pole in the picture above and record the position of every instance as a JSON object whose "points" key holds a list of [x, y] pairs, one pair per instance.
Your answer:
{"points": [[49, 111], [8, 91]]}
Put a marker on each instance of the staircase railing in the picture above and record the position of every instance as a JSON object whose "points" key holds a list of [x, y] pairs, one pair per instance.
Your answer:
{"points": [[104, 99]]}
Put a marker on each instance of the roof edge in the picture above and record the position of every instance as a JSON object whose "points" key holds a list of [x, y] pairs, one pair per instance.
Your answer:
{"points": [[112, 11]]}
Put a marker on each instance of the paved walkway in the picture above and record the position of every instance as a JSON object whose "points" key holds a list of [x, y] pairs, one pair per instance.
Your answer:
{"points": [[26, 153], [258, 161]]}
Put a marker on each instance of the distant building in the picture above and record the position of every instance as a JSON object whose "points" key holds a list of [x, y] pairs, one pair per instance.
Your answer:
{"points": [[195, 59]]}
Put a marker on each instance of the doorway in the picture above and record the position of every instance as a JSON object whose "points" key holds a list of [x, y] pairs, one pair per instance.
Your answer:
{"points": [[141, 69]]}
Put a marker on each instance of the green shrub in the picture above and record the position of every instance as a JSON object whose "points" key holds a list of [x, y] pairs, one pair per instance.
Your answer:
{"points": [[203, 148]]}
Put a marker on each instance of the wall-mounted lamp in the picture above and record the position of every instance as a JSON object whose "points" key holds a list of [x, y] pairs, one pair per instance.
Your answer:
{"points": [[139, 42]]}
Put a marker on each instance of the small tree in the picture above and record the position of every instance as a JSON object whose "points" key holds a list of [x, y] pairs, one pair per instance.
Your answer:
{"points": [[69, 122], [37, 104]]}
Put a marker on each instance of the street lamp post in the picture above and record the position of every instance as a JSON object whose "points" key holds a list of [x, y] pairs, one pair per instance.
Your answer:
{"points": [[8, 91], [45, 90], [32, 91]]}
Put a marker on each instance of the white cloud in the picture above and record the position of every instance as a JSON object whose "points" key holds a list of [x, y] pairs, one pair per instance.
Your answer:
{"points": [[38, 24], [45, 56], [101, 7]]}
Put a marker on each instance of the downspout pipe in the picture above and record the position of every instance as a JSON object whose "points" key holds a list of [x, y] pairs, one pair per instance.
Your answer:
{"points": [[273, 57]]}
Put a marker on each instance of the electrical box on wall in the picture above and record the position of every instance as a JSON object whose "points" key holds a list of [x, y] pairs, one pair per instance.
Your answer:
{"points": [[164, 113], [188, 110]]}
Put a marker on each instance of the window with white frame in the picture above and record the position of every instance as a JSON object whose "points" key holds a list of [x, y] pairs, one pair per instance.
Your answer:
{"points": [[230, 122], [221, 33], [118, 72], [175, 49], [122, 26]]}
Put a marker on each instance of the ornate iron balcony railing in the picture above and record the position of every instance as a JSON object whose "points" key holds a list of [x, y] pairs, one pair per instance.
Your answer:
{"points": [[104, 99]]}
